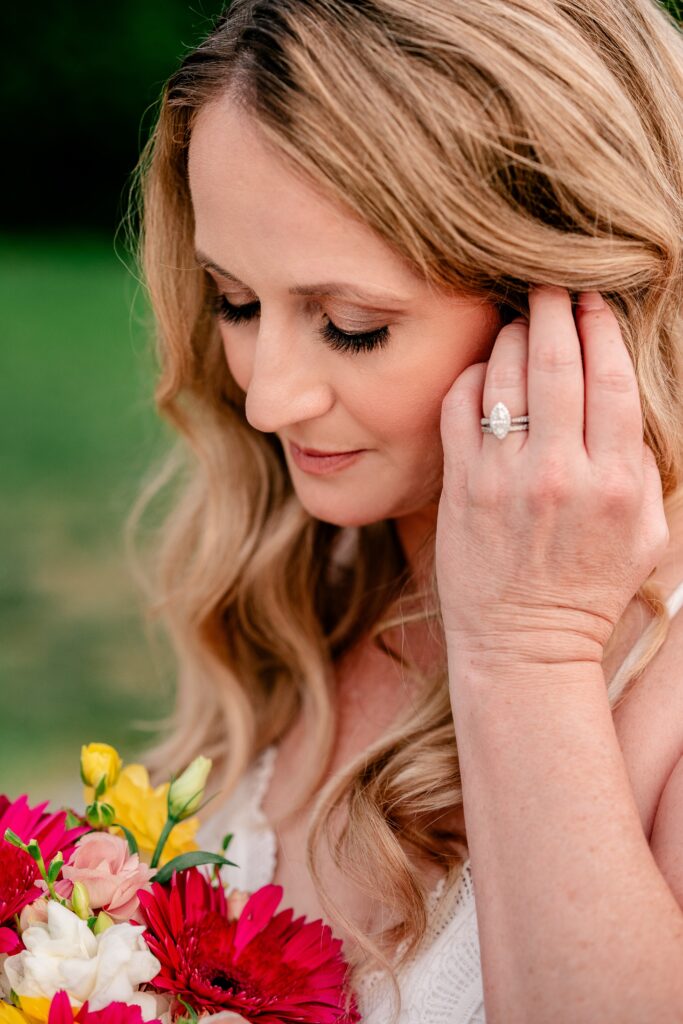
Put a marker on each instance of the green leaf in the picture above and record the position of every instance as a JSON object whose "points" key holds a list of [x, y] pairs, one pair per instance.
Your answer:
{"points": [[130, 838], [55, 867], [226, 841], [71, 820], [92, 921], [13, 839], [189, 860], [33, 850]]}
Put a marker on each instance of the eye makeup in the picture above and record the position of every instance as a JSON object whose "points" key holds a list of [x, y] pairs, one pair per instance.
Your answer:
{"points": [[337, 339]]}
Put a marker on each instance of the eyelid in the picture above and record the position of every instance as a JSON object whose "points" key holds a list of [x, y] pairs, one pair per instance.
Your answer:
{"points": [[316, 307], [352, 342]]}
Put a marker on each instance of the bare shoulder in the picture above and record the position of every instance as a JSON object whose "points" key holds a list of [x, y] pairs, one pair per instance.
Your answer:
{"points": [[649, 722]]}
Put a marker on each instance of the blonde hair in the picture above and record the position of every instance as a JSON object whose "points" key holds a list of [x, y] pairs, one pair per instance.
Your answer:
{"points": [[491, 146]]}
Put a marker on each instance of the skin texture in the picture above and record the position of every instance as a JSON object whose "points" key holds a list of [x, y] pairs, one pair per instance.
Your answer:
{"points": [[544, 537], [270, 230]]}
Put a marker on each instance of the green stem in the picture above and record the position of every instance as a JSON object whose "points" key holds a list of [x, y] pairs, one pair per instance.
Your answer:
{"points": [[165, 833]]}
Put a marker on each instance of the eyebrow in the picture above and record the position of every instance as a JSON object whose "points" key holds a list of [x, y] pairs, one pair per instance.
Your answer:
{"points": [[331, 289]]}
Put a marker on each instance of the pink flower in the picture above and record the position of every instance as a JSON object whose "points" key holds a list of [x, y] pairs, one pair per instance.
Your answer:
{"points": [[112, 875], [19, 875]]}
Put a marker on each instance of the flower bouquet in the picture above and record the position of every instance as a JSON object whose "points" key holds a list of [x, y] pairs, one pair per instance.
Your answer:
{"points": [[114, 916]]}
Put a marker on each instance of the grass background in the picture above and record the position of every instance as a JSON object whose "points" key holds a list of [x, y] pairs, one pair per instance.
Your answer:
{"points": [[79, 430]]}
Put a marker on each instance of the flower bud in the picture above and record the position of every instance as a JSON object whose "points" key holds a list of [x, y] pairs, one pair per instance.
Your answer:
{"points": [[103, 922], [80, 901], [100, 765], [100, 815], [186, 792]]}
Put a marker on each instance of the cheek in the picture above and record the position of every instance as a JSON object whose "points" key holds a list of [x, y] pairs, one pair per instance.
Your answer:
{"points": [[416, 393], [238, 361], [405, 406]]}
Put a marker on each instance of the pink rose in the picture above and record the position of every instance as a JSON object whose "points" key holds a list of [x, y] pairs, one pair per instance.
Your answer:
{"points": [[112, 875]]}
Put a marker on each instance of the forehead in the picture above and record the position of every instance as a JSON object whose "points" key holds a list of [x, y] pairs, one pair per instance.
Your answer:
{"points": [[253, 212]]}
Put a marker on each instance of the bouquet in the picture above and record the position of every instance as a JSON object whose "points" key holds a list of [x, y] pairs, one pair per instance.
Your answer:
{"points": [[114, 916]]}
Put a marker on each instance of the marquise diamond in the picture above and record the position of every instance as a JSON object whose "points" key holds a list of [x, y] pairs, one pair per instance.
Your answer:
{"points": [[499, 420]]}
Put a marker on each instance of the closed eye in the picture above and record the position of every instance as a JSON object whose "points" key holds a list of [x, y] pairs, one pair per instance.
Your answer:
{"points": [[335, 338]]}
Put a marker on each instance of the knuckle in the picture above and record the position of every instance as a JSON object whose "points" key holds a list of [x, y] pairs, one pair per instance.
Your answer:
{"points": [[554, 358], [620, 382], [552, 482], [486, 491], [619, 490], [518, 328], [457, 400], [662, 536], [509, 375]]}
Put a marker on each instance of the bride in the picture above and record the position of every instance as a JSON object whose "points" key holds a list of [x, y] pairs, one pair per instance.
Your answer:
{"points": [[436, 660]]}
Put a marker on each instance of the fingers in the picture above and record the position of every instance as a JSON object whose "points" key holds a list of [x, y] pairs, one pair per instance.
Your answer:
{"points": [[575, 380], [506, 379], [555, 376], [614, 421]]}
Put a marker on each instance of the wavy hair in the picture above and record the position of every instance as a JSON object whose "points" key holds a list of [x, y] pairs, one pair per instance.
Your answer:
{"points": [[492, 146]]}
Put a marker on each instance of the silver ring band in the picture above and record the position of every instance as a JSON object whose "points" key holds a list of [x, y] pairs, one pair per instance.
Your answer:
{"points": [[485, 429]]}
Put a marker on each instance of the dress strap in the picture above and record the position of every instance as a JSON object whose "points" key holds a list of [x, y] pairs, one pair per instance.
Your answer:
{"points": [[263, 772], [674, 603]]}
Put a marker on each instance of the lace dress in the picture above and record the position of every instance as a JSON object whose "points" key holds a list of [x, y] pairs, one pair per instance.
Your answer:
{"points": [[443, 982]]}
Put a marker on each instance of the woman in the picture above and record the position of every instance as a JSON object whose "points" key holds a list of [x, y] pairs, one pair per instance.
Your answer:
{"points": [[440, 657]]}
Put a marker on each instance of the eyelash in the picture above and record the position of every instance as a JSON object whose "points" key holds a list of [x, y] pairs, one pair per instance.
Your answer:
{"points": [[337, 339]]}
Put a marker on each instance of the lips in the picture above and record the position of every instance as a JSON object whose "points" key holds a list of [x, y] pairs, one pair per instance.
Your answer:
{"points": [[320, 465], [318, 452]]}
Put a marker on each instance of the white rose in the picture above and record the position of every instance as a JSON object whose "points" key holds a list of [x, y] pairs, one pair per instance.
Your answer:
{"points": [[64, 954], [5, 990]]}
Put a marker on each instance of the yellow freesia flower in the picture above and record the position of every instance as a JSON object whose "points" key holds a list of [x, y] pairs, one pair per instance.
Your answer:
{"points": [[33, 1011], [144, 810], [10, 1015], [98, 760]]}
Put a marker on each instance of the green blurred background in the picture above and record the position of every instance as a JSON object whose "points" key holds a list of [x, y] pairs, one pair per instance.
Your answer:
{"points": [[77, 421]]}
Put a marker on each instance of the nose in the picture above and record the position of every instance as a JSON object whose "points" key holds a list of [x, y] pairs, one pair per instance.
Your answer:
{"points": [[287, 383]]}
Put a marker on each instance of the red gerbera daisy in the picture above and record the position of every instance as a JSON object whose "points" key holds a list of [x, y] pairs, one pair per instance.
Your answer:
{"points": [[18, 871], [264, 966]]}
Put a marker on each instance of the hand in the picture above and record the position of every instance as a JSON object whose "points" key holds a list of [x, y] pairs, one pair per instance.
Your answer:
{"points": [[544, 537]]}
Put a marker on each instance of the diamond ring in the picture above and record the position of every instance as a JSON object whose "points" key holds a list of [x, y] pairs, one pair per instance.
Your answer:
{"points": [[501, 423]]}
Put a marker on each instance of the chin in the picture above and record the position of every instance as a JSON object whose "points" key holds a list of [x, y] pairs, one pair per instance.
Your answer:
{"points": [[356, 513]]}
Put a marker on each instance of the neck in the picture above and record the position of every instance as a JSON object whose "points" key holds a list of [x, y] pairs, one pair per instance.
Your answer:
{"points": [[416, 533]]}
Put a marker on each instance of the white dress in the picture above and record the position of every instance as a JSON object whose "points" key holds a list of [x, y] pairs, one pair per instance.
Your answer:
{"points": [[443, 983]]}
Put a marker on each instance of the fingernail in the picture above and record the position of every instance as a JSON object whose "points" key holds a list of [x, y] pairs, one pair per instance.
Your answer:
{"points": [[591, 300]]}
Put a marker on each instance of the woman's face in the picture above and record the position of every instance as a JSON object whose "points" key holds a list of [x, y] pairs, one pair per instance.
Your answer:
{"points": [[273, 234]]}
